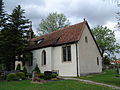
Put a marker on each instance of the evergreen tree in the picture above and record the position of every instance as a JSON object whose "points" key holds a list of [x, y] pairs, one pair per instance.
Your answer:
{"points": [[3, 20], [2, 15], [14, 37]]}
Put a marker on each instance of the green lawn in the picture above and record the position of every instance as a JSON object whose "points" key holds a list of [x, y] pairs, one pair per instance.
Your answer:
{"points": [[107, 77], [55, 85]]}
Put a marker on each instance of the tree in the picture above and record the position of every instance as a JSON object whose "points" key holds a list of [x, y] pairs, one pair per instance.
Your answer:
{"points": [[106, 40], [14, 38], [18, 67], [52, 22], [2, 15], [3, 20]]}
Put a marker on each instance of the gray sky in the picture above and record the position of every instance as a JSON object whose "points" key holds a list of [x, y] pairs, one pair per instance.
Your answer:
{"points": [[96, 12]]}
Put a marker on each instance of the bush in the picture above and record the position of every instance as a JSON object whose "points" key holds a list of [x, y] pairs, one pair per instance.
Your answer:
{"points": [[18, 67], [37, 69], [47, 75], [25, 70], [2, 67], [29, 75], [12, 77], [21, 75], [54, 75], [41, 75]]}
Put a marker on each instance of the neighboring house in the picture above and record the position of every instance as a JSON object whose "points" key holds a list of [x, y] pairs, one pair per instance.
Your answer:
{"points": [[115, 62], [71, 51]]}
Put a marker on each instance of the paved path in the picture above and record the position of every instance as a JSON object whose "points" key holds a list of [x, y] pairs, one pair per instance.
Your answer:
{"points": [[96, 83]]}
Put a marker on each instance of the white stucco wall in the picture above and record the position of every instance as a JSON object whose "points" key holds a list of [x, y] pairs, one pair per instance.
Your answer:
{"points": [[37, 59], [54, 61], [65, 68], [88, 53]]}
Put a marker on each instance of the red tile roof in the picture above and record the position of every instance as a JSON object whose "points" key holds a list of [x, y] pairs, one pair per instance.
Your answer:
{"points": [[66, 35], [116, 61]]}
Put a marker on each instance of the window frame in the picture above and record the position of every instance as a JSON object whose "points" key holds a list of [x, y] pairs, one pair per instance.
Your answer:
{"points": [[97, 61], [66, 58], [86, 39], [43, 61]]}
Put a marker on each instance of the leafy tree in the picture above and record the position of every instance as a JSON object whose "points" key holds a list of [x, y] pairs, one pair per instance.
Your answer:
{"points": [[52, 22], [14, 37], [106, 40]]}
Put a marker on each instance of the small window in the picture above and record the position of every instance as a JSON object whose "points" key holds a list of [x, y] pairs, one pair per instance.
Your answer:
{"points": [[97, 61], [86, 39], [38, 41], [67, 53], [43, 58]]}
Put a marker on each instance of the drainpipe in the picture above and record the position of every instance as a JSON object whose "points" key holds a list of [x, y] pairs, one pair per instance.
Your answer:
{"points": [[77, 60]]}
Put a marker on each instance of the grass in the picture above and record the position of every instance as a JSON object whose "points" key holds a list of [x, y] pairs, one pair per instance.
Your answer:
{"points": [[55, 85], [107, 77]]}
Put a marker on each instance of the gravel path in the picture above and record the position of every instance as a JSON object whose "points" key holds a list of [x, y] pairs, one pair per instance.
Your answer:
{"points": [[96, 83]]}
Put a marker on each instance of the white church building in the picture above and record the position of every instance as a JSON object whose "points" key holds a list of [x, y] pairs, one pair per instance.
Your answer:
{"points": [[71, 51]]}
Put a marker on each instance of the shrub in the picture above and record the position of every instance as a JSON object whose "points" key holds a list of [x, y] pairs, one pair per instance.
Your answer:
{"points": [[29, 75], [12, 77], [18, 67], [37, 69], [41, 75], [25, 70], [54, 75], [2, 67], [117, 75], [47, 75], [21, 75]]}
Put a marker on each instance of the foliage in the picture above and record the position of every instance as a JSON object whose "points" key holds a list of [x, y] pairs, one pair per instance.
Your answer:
{"points": [[107, 77], [2, 15], [47, 75], [2, 26], [21, 75], [106, 60], [29, 75], [18, 67], [13, 38], [25, 70], [41, 75], [28, 56], [12, 77], [37, 69], [54, 75], [59, 85], [106, 40], [2, 67], [53, 22], [117, 75]]}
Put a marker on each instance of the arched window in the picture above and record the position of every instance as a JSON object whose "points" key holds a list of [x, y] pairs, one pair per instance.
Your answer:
{"points": [[43, 57]]}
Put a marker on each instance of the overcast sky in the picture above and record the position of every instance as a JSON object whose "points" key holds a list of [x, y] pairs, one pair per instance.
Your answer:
{"points": [[96, 12]]}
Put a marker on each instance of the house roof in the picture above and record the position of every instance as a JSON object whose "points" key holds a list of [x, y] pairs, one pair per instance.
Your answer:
{"points": [[116, 61], [66, 35]]}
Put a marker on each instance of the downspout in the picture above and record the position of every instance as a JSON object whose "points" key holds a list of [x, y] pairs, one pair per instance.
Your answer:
{"points": [[77, 60]]}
